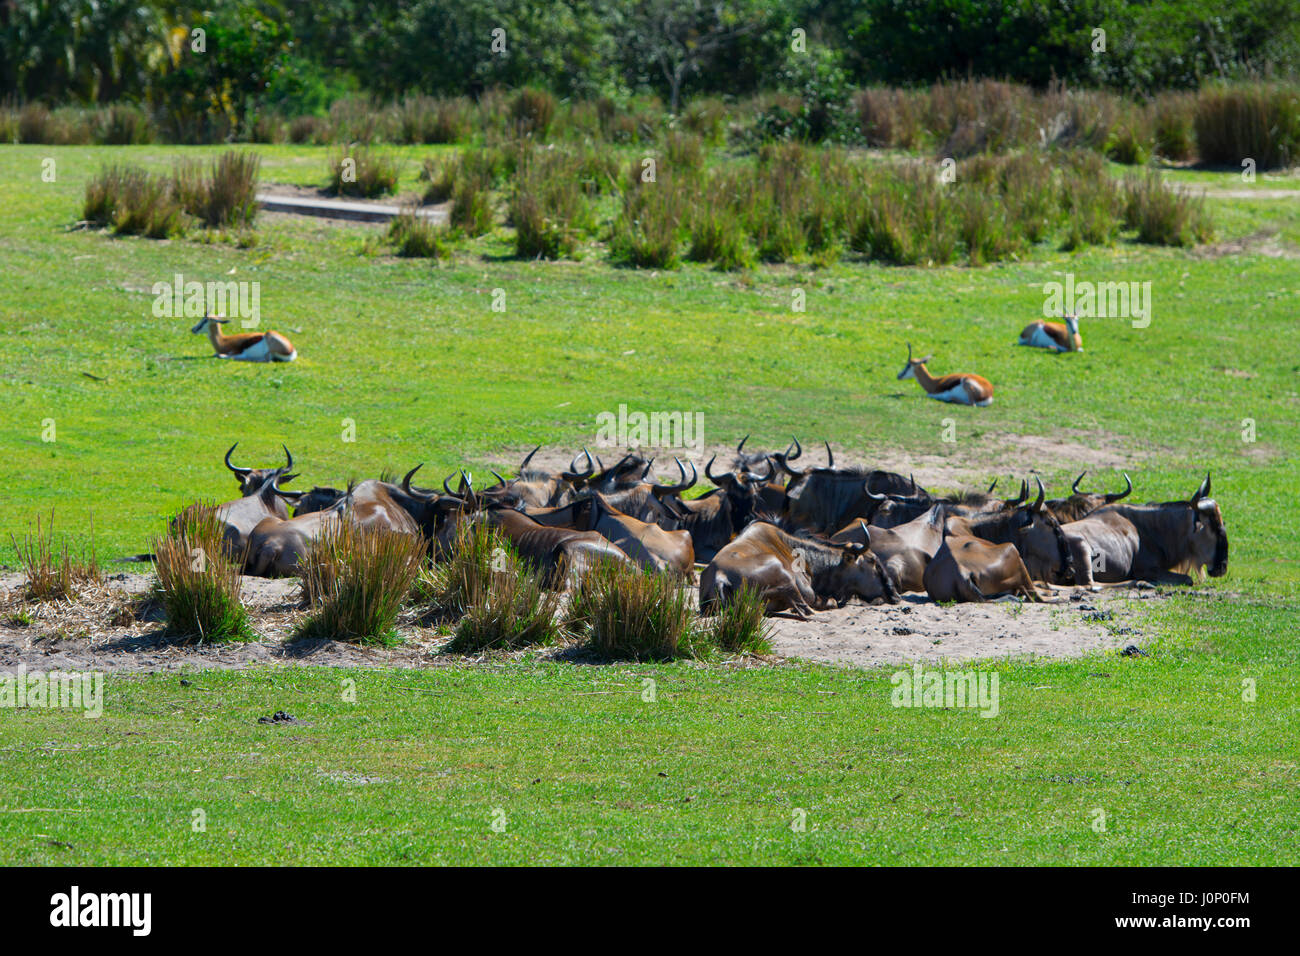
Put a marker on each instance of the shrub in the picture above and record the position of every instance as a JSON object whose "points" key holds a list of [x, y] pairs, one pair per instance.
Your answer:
{"points": [[471, 204], [267, 128], [983, 227], [1162, 216], [440, 175], [361, 172], [740, 626], [630, 613], [684, 152], [906, 220], [308, 129], [53, 573], [1132, 138], [140, 204], [356, 119], [355, 579], [531, 112], [415, 236], [548, 209], [706, 117], [8, 124], [125, 124], [1259, 121], [645, 232], [425, 119], [198, 584], [718, 237]]}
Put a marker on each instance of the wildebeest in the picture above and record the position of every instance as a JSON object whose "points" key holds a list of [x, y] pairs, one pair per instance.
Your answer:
{"points": [[558, 553], [826, 499], [1030, 528], [653, 502], [717, 516], [1082, 503], [258, 501], [538, 488], [793, 573], [904, 549], [967, 568], [1160, 542]]}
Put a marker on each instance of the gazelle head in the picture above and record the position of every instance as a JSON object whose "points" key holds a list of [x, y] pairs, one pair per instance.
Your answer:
{"points": [[207, 320], [1072, 323], [909, 370]]}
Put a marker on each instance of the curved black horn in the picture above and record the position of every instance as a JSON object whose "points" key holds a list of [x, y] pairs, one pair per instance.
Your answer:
{"points": [[681, 486], [529, 457], [755, 476], [708, 471], [912, 480], [288, 458], [871, 494], [1024, 494], [1122, 494], [446, 488], [1074, 488], [501, 482], [1042, 493], [741, 446], [830, 458], [239, 471], [798, 449], [991, 487], [287, 495], [406, 481], [1203, 491]]}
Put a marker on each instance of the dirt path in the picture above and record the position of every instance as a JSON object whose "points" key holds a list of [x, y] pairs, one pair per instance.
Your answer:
{"points": [[113, 629]]}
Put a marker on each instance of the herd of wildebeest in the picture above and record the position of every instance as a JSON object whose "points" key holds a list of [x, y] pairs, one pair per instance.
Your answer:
{"points": [[806, 537]]}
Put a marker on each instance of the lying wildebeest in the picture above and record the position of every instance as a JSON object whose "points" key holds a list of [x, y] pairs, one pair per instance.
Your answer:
{"points": [[1159, 542], [560, 554], [646, 543], [717, 516], [967, 568], [1030, 528], [798, 574], [653, 502], [826, 499], [538, 488], [1080, 504], [905, 550], [258, 501]]}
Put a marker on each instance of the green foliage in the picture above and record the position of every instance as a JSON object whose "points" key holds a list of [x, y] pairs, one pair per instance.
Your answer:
{"points": [[198, 583], [625, 612], [416, 237], [1162, 216], [1259, 121], [360, 171]]}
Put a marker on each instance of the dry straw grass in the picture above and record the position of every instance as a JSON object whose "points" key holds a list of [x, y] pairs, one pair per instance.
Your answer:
{"points": [[198, 585], [52, 571]]}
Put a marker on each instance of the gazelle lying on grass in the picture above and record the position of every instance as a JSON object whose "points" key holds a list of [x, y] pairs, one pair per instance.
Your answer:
{"points": [[1053, 335], [963, 389], [246, 347]]}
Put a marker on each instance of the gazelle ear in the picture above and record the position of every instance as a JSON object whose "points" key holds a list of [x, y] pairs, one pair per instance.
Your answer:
{"points": [[922, 361]]}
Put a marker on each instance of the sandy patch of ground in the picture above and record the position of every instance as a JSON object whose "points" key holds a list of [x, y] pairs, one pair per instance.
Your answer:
{"points": [[1262, 243], [115, 629]]}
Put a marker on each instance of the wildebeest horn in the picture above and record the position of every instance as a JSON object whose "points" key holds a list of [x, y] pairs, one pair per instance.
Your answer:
{"points": [[678, 488], [1074, 488], [741, 446], [755, 476], [1042, 493], [874, 496], [1203, 491], [573, 475], [911, 478], [1024, 494], [239, 471], [991, 487], [287, 495], [529, 457], [446, 488], [830, 458], [798, 449], [708, 471], [501, 482], [406, 481], [865, 531], [1125, 492]]}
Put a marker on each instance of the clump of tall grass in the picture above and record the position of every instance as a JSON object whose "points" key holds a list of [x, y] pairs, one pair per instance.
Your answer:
{"points": [[1091, 201], [309, 129], [198, 584], [1175, 125], [740, 626], [427, 120], [359, 171], [1258, 121], [1132, 137], [132, 202], [1162, 216], [906, 220], [227, 196], [124, 124], [646, 231], [625, 612], [531, 112], [355, 579], [548, 207], [415, 236], [718, 236], [476, 552], [359, 120], [51, 571]]}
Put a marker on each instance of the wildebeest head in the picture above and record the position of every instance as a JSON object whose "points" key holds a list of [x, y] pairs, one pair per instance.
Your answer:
{"points": [[252, 480], [854, 572], [307, 502], [1209, 538], [1040, 540], [749, 461], [1082, 503]]}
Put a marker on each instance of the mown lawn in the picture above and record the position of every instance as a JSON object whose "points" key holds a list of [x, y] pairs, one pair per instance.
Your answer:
{"points": [[412, 353]]}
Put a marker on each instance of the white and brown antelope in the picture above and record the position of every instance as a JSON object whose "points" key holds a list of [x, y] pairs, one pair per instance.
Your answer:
{"points": [[962, 388], [1056, 336], [267, 346]]}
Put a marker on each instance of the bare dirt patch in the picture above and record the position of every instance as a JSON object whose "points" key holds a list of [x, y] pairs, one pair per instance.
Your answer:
{"points": [[1265, 242], [116, 629]]}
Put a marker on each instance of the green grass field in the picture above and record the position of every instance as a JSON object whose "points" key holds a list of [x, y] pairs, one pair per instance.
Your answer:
{"points": [[411, 352]]}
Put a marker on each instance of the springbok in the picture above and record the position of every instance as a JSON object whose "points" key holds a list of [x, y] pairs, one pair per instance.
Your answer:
{"points": [[246, 347], [963, 389], [1055, 336]]}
